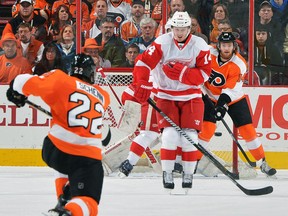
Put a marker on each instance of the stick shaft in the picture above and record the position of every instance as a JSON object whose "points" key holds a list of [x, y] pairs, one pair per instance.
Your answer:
{"points": [[261, 191], [253, 164]]}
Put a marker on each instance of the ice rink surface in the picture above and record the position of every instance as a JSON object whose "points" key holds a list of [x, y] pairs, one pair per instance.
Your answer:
{"points": [[29, 191]]}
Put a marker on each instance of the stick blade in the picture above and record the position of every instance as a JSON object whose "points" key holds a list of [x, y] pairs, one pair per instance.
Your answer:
{"points": [[257, 192]]}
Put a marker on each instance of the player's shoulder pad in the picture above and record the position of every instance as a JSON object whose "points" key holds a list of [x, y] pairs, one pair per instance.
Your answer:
{"points": [[200, 43], [164, 39]]}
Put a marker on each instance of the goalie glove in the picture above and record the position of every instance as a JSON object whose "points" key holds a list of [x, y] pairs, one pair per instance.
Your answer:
{"points": [[142, 91], [13, 96], [220, 110]]}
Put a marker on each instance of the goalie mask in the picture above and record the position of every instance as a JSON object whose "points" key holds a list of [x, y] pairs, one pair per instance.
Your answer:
{"points": [[83, 67]]}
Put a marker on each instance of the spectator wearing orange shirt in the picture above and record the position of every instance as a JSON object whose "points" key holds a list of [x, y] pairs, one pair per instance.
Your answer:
{"points": [[41, 7], [11, 64], [130, 28], [219, 12], [72, 8], [26, 14], [30, 48]]}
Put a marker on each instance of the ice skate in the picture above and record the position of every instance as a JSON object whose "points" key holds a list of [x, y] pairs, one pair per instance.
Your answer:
{"points": [[178, 168], [187, 180], [168, 181], [59, 212], [125, 169], [265, 168], [65, 197]]}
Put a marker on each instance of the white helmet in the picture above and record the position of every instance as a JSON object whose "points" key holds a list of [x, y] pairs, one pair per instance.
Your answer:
{"points": [[181, 19]]}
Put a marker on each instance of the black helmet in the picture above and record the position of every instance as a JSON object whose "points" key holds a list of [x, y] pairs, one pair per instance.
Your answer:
{"points": [[226, 37], [83, 67]]}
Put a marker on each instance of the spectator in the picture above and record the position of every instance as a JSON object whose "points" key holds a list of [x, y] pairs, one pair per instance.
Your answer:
{"points": [[26, 14], [175, 5], [195, 29], [148, 27], [92, 49], [113, 47], [11, 64], [30, 48], [62, 16], [41, 7], [266, 53], [266, 19], [131, 28], [67, 46], [132, 51], [119, 11], [219, 12], [92, 29], [71, 4], [51, 60]]}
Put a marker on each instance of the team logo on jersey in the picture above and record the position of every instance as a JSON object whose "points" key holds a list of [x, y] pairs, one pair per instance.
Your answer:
{"points": [[118, 19], [216, 79], [8, 64]]}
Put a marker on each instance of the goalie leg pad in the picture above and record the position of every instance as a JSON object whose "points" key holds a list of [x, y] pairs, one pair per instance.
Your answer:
{"points": [[131, 117], [115, 154]]}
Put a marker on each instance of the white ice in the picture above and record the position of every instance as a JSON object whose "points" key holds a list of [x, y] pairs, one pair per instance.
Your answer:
{"points": [[29, 191]]}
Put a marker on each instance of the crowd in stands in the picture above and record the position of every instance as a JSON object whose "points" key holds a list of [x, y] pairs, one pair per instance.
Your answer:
{"points": [[40, 35]]}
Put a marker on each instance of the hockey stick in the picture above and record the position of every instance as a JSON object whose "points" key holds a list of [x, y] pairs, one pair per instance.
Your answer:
{"points": [[252, 192], [105, 141], [148, 152], [251, 163]]}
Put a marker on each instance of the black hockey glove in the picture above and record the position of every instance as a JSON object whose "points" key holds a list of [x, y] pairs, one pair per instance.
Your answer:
{"points": [[220, 110], [18, 99]]}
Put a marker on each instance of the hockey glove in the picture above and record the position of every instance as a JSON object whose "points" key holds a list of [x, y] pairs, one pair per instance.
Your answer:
{"points": [[18, 99], [174, 71], [220, 110], [142, 91]]}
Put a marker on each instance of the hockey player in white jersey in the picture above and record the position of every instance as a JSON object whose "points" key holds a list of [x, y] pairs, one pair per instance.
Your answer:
{"points": [[180, 63]]}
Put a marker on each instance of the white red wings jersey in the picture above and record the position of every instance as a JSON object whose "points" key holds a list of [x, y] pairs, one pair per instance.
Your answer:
{"points": [[76, 107], [226, 78], [195, 54]]}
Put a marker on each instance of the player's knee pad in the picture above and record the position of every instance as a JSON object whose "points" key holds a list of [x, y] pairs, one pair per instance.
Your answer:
{"points": [[186, 145], [170, 138], [248, 132], [208, 130], [145, 138]]}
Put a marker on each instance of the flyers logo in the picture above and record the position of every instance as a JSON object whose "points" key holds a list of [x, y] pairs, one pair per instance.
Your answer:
{"points": [[216, 79]]}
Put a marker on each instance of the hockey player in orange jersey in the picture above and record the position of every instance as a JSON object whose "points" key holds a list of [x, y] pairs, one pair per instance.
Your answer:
{"points": [[73, 145], [224, 88]]}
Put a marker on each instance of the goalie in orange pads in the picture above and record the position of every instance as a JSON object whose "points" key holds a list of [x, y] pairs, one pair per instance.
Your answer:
{"points": [[73, 145], [224, 88]]}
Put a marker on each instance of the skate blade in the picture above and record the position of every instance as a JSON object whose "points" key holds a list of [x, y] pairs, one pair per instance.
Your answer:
{"points": [[121, 175], [177, 192]]}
